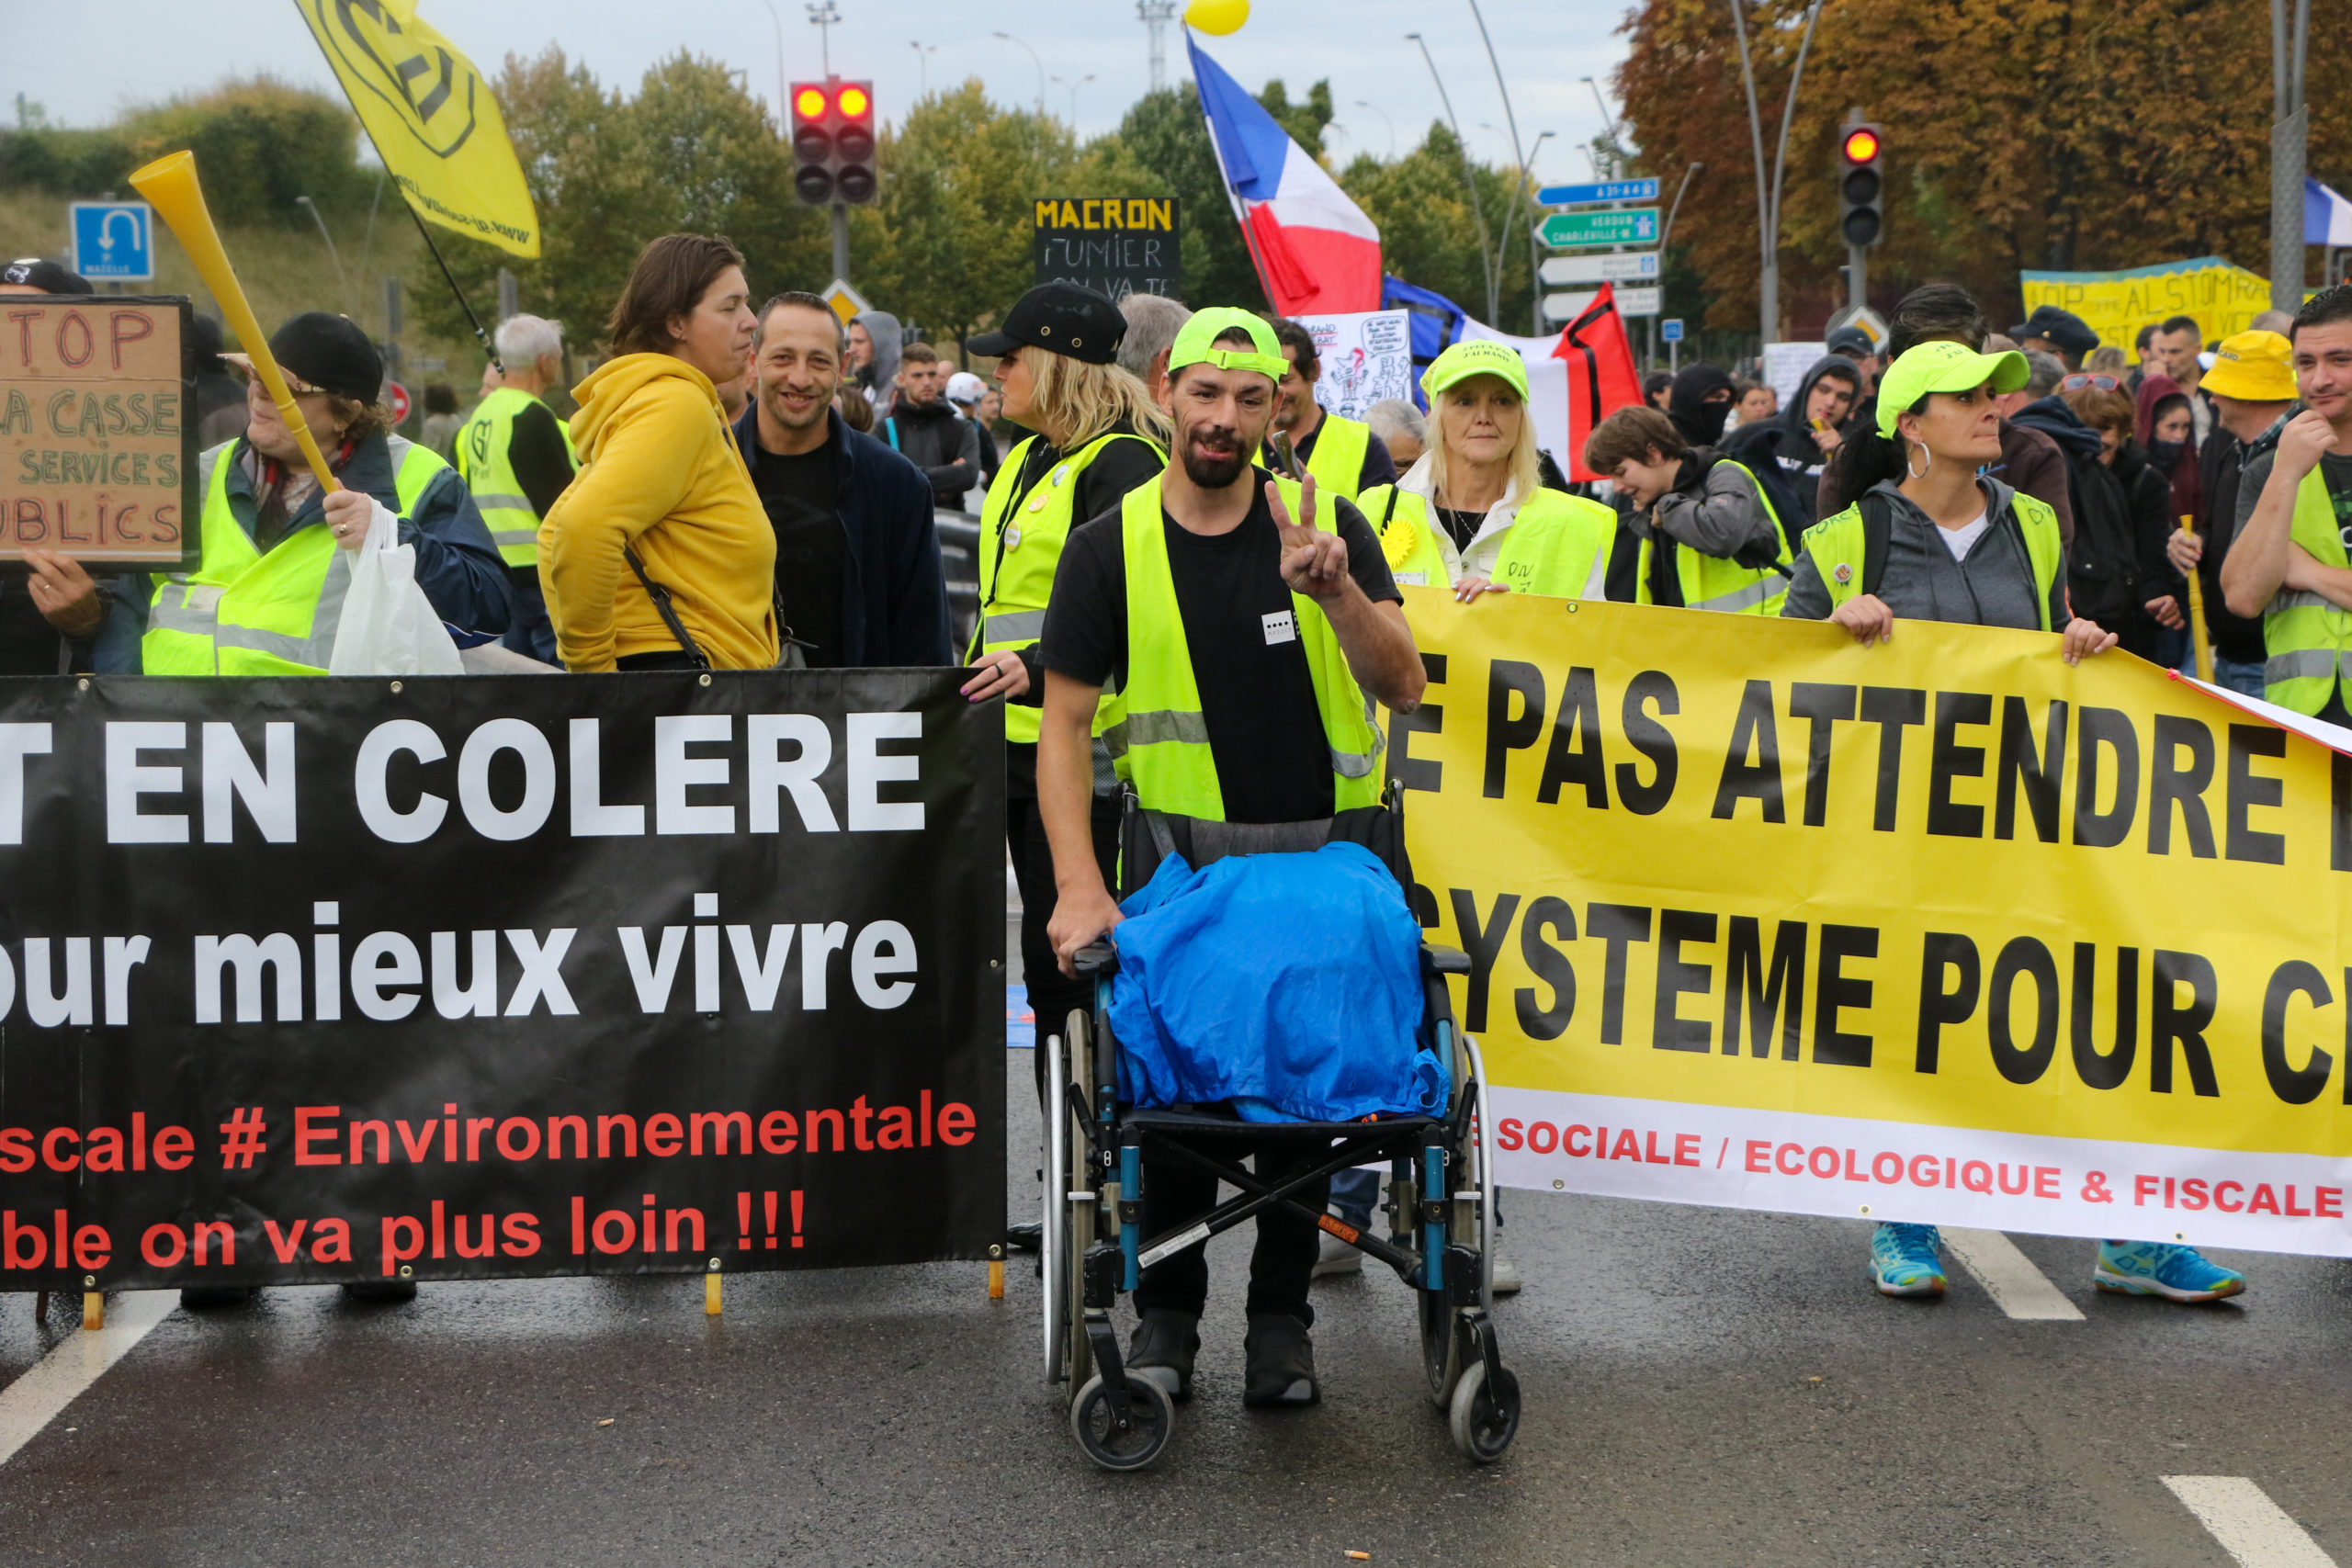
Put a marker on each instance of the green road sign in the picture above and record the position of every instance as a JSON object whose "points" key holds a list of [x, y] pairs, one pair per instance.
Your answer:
{"points": [[1620, 226]]}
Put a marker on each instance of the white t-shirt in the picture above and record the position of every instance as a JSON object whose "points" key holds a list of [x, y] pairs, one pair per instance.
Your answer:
{"points": [[1960, 540]]}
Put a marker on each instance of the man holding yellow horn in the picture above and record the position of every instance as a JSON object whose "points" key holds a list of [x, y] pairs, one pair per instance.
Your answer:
{"points": [[269, 595]]}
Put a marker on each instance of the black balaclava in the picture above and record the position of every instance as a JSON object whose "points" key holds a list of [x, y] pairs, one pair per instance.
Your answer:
{"points": [[1701, 422]]}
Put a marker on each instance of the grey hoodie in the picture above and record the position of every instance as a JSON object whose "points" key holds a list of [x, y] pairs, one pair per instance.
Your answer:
{"points": [[882, 375], [1992, 587]]}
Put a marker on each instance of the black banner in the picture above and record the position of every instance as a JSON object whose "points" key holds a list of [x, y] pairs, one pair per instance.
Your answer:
{"points": [[321, 980], [1114, 245]]}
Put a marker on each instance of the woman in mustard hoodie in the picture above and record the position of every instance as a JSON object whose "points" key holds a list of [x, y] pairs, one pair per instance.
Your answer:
{"points": [[659, 555]]}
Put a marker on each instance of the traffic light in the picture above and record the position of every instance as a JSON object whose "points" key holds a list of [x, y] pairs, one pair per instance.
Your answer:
{"points": [[1861, 204], [833, 141]]}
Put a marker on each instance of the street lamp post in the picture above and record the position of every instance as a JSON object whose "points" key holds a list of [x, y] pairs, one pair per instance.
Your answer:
{"points": [[1367, 103], [333, 255], [1666, 234], [1510, 119], [1477, 214], [1535, 247], [1767, 190], [2290, 131], [1073, 87], [783, 97], [822, 14], [1608, 125], [923, 51], [1041, 71]]}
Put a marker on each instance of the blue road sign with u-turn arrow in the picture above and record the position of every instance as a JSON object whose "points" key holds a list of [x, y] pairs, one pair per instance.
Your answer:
{"points": [[113, 241]]}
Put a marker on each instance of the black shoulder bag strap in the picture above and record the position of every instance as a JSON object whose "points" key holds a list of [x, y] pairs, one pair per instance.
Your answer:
{"points": [[669, 614], [1878, 527]]}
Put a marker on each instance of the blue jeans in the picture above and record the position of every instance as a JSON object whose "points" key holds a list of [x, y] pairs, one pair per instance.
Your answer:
{"points": [[2242, 676], [1352, 1194]]}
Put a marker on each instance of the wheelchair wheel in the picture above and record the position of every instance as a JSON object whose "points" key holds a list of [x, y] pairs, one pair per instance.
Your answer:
{"points": [[1078, 1218], [1483, 1419], [1153, 1421], [1441, 1346], [1054, 1219]]}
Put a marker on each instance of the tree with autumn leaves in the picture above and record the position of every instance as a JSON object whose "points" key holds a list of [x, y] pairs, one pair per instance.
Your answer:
{"points": [[2020, 134]]}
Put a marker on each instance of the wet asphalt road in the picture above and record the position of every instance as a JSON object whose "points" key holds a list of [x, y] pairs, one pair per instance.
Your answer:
{"points": [[1701, 1388]]}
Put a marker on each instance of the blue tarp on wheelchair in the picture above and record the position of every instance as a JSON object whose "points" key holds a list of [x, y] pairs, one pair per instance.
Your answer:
{"points": [[1287, 984]]}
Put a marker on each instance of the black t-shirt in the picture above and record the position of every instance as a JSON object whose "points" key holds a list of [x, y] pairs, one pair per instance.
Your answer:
{"points": [[1273, 763], [1103, 484], [1460, 526], [811, 550]]}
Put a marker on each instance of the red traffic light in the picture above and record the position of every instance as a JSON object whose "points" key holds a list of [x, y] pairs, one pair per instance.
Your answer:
{"points": [[1861, 145], [809, 101], [855, 102]]}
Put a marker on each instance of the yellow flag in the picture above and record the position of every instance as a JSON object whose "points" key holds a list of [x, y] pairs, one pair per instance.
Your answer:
{"points": [[432, 117]]}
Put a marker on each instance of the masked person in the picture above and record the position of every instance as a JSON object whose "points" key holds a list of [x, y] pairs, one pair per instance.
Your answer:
{"points": [[1252, 617], [1702, 533], [2116, 570], [268, 597], [1097, 437], [1471, 510], [1699, 402]]}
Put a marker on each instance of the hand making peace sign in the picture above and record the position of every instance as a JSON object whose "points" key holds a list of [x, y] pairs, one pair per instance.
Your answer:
{"points": [[1313, 562]]}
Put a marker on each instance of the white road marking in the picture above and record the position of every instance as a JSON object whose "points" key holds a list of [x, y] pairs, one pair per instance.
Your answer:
{"points": [[2008, 1276], [2250, 1527], [34, 1400]]}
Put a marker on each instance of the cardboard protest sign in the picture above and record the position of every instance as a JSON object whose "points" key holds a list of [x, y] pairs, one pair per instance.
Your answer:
{"points": [[1114, 245], [1366, 357], [97, 448]]}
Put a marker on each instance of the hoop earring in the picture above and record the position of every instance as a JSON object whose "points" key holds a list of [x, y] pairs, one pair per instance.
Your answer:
{"points": [[1921, 471]]}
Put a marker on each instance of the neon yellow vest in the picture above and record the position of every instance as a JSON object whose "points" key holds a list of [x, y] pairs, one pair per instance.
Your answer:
{"points": [[1160, 744], [247, 613], [1408, 538], [2307, 639], [1718, 582], [1019, 554], [1336, 462], [489, 472], [1836, 545]]}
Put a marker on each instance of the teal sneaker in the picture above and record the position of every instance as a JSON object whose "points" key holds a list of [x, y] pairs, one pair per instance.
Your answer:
{"points": [[1903, 1260], [2161, 1268]]}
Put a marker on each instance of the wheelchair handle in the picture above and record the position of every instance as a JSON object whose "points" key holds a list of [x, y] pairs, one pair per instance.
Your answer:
{"points": [[1096, 958]]}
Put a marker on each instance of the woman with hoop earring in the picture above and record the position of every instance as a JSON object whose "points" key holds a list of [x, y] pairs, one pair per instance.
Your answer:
{"points": [[1933, 539]]}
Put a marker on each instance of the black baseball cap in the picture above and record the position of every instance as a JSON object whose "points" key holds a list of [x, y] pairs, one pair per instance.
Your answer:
{"points": [[2064, 328], [1851, 342], [46, 277], [1065, 318], [324, 353]]}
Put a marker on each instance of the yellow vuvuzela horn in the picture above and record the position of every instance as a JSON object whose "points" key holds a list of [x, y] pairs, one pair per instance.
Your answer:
{"points": [[169, 185]]}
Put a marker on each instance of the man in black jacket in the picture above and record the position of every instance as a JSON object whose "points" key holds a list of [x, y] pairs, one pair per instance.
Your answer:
{"points": [[925, 427], [2253, 387], [857, 573]]}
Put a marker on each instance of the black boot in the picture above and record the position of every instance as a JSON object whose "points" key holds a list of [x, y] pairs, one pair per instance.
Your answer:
{"points": [[1281, 1363], [1165, 1342]]}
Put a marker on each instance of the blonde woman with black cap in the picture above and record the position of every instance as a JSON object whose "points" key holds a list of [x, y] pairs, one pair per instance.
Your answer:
{"points": [[1933, 539], [1097, 436]]}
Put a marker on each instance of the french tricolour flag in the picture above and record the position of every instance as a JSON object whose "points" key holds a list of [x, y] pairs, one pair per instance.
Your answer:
{"points": [[1315, 251]]}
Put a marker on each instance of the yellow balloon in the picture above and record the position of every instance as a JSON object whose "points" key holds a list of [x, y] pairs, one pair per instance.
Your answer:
{"points": [[1217, 17]]}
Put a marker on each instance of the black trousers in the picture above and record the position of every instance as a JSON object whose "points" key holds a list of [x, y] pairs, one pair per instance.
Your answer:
{"points": [[1283, 1260], [1052, 996]]}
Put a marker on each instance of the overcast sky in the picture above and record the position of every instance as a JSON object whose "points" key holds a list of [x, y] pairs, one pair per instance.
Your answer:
{"points": [[84, 65]]}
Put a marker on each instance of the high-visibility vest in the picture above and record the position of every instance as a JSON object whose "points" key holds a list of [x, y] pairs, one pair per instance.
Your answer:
{"points": [[1718, 582], [1408, 537], [1160, 744], [249, 612], [1838, 546], [1336, 462], [1022, 535], [483, 461], [2306, 639]]}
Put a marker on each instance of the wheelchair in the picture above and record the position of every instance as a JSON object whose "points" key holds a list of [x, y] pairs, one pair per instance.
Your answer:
{"points": [[1441, 1208]]}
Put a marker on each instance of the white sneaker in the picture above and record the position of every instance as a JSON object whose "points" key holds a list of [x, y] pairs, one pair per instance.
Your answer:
{"points": [[1337, 1258], [1507, 1280]]}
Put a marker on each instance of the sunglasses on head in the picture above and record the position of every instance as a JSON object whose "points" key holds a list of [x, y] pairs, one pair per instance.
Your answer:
{"points": [[2077, 382]]}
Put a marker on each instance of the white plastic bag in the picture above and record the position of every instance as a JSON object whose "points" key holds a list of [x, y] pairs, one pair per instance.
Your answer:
{"points": [[389, 627]]}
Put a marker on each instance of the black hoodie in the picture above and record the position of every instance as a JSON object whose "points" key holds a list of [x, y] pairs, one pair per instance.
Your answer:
{"points": [[1701, 422], [1782, 453]]}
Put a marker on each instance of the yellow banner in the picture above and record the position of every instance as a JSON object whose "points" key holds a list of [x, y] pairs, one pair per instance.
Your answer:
{"points": [[432, 117], [2222, 298], [1942, 930]]}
